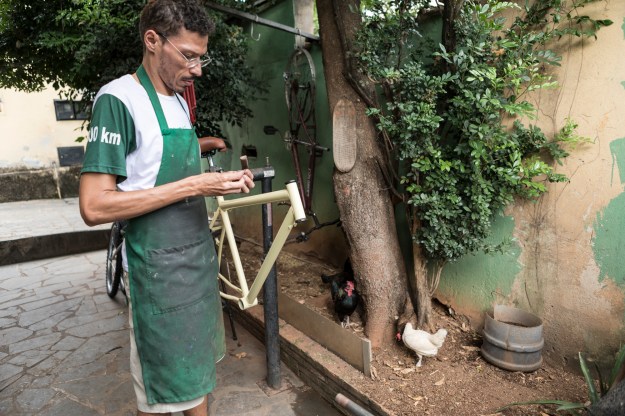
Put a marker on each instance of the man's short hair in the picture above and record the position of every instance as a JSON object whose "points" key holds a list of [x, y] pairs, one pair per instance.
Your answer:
{"points": [[167, 17]]}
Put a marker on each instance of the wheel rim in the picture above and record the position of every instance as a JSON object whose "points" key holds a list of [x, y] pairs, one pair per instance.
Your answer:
{"points": [[299, 78], [110, 261]]}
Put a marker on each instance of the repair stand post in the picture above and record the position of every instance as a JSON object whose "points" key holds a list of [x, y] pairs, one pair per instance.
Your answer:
{"points": [[270, 290]]}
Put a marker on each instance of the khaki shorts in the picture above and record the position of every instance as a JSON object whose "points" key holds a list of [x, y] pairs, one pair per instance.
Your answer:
{"points": [[137, 375]]}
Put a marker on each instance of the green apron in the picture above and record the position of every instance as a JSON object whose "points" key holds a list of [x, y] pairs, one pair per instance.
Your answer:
{"points": [[173, 280]]}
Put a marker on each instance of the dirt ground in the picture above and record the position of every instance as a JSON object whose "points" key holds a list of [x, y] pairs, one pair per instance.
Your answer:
{"points": [[457, 382]]}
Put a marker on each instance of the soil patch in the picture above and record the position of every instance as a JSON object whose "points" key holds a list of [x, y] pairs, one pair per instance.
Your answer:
{"points": [[456, 382]]}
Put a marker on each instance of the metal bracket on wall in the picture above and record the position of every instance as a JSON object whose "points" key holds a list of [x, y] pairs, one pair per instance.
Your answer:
{"points": [[266, 22]]}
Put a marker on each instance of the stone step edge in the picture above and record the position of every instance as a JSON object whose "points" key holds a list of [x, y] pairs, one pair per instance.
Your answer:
{"points": [[311, 362], [26, 249]]}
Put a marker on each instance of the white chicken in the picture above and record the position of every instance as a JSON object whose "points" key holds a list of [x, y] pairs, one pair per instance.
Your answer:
{"points": [[423, 343]]}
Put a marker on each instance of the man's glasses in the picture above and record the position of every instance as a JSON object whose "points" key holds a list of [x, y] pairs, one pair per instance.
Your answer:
{"points": [[202, 61]]}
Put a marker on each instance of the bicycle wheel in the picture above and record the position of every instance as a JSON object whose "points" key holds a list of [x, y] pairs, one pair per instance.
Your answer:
{"points": [[114, 260], [299, 78]]}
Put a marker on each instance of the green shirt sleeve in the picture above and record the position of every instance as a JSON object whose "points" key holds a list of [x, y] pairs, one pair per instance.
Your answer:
{"points": [[111, 137]]}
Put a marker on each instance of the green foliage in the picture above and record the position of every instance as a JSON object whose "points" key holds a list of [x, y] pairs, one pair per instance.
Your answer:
{"points": [[80, 45], [454, 115], [593, 395]]}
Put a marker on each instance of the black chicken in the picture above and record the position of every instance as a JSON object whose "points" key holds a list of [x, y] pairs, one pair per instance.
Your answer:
{"points": [[344, 293]]}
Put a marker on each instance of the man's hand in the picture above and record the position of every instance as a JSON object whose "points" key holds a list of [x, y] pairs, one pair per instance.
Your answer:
{"points": [[225, 183]]}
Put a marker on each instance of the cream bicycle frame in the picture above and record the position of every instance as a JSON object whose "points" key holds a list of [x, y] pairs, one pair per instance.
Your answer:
{"points": [[248, 297]]}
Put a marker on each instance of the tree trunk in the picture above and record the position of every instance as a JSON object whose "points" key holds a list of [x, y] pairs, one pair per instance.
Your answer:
{"points": [[422, 288], [451, 10], [362, 195]]}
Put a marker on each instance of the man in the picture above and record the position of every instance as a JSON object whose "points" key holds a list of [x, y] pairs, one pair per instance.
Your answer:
{"points": [[142, 164]]}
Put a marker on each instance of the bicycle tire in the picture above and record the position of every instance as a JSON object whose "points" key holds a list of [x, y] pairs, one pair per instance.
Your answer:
{"points": [[114, 267], [300, 90]]}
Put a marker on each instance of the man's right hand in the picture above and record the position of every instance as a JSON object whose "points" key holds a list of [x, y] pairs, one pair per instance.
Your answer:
{"points": [[225, 183]]}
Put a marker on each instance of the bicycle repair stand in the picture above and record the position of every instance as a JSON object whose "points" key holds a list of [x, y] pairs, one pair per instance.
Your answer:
{"points": [[265, 175]]}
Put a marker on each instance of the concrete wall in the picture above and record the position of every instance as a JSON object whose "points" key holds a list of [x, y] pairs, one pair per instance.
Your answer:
{"points": [[30, 135], [30, 131], [566, 264]]}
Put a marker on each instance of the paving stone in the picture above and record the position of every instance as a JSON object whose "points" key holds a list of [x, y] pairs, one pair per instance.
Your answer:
{"points": [[7, 408], [65, 277], [87, 307], [30, 358], [20, 281], [36, 267], [238, 403], [10, 336], [53, 288], [102, 326], [6, 295], [31, 317], [50, 300], [68, 372], [20, 298], [76, 321], [118, 304], [8, 370], [7, 322], [2, 354], [51, 322], [68, 343], [32, 400], [73, 289], [12, 311], [67, 407], [121, 399], [8, 272], [98, 346], [50, 364], [40, 382], [69, 264], [35, 343], [104, 384], [98, 299]]}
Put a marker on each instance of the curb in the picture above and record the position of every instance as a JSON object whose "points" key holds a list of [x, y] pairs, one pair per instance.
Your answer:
{"points": [[54, 245]]}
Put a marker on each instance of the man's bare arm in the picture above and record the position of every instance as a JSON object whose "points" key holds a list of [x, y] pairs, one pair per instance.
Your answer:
{"points": [[100, 202]]}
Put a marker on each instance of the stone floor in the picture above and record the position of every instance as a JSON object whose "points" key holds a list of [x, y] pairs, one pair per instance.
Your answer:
{"points": [[64, 350]]}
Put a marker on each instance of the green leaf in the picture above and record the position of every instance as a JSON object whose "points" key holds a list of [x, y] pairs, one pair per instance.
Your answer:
{"points": [[590, 383]]}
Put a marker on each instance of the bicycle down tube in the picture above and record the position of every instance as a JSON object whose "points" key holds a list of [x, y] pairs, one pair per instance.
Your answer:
{"points": [[296, 214]]}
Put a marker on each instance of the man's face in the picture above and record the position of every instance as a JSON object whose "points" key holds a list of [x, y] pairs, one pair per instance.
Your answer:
{"points": [[173, 68]]}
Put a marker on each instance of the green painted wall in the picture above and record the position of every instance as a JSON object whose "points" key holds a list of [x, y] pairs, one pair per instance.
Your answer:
{"points": [[269, 52], [609, 242], [475, 282]]}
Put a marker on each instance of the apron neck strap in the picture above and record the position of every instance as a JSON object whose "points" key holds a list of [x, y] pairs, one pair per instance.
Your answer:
{"points": [[145, 81]]}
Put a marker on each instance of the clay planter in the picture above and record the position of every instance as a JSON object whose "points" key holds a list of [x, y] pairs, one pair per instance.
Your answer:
{"points": [[513, 339]]}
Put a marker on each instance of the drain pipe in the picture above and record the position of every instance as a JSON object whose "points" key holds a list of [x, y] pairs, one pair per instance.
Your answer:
{"points": [[350, 406], [270, 289]]}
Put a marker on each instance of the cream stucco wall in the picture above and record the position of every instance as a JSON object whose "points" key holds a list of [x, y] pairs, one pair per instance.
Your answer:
{"points": [[30, 133], [568, 265]]}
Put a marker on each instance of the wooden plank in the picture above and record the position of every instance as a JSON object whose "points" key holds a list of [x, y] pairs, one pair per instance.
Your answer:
{"points": [[344, 134], [352, 349]]}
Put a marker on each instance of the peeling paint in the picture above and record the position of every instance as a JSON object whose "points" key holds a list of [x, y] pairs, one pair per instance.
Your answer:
{"points": [[609, 242], [476, 281], [617, 149]]}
